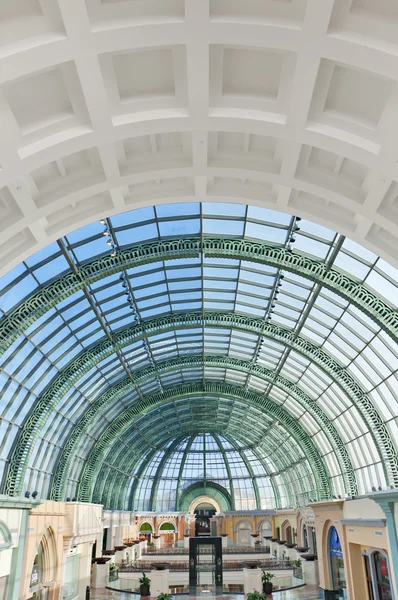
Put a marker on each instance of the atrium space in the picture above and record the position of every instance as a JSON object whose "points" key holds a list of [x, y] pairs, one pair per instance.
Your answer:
{"points": [[199, 299]]}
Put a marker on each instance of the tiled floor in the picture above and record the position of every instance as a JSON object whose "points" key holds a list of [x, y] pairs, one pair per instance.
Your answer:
{"points": [[309, 592]]}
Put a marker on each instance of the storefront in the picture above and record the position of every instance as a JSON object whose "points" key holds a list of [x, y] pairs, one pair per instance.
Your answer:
{"points": [[338, 575], [378, 576], [36, 578]]}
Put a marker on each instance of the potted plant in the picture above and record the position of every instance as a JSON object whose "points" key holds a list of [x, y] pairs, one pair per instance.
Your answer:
{"points": [[255, 596], [144, 582], [297, 563], [164, 597], [257, 543], [267, 582]]}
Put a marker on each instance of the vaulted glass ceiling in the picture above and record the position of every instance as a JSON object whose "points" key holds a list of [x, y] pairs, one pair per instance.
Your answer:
{"points": [[98, 341]]}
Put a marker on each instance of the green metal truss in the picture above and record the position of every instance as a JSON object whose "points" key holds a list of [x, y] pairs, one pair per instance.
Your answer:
{"points": [[87, 359], [125, 420], [12, 325], [111, 484], [93, 412], [116, 471], [214, 490]]}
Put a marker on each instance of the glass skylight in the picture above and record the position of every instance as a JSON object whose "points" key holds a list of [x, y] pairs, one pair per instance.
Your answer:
{"points": [[200, 285]]}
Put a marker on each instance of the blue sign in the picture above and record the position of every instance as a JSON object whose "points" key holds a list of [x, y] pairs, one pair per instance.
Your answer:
{"points": [[334, 543]]}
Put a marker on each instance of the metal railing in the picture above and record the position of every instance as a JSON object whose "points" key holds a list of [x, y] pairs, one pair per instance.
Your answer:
{"points": [[228, 550], [228, 565]]}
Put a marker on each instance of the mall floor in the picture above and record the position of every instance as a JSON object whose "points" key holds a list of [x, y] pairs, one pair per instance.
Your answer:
{"points": [[309, 592]]}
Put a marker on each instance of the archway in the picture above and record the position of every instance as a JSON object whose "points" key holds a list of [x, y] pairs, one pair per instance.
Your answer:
{"points": [[43, 573], [204, 503], [336, 561], [167, 532], [146, 531], [243, 532], [264, 529], [287, 532]]}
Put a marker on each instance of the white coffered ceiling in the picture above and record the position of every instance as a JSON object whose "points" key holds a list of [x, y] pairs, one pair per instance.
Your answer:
{"points": [[107, 105]]}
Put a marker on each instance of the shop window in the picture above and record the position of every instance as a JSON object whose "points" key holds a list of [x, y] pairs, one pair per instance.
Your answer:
{"points": [[337, 565], [383, 582]]}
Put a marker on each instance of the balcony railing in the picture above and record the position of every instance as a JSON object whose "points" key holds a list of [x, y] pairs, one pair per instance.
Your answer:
{"points": [[228, 565], [228, 550]]}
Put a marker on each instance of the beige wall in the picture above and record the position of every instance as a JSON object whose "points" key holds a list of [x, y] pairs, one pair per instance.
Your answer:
{"points": [[355, 539], [63, 529]]}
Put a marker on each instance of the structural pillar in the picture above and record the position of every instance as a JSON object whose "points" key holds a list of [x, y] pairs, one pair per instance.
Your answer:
{"points": [[252, 581], [310, 572], [159, 582], [85, 568], [100, 575]]}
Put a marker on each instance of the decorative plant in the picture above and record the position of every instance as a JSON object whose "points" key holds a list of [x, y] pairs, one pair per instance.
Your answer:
{"points": [[256, 596], [151, 544], [297, 563], [127, 557], [164, 597], [267, 577], [257, 543], [144, 580], [112, 566]]}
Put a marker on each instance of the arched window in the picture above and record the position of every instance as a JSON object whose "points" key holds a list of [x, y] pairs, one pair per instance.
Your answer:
{"points": [[243, 532], [336, 562], [167, 527], [36, 577], [382, 576]]}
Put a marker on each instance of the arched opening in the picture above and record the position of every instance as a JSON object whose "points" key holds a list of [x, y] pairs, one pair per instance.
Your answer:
{"points": [[265, 529], [287, 533], [337, 569], [203, 513], [243, 532], [167, 532], [44, 567], [146, 531], [378, 576]]}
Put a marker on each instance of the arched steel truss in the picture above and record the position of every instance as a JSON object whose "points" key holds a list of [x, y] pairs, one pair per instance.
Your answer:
{"points": [[213, 490], [95, 410], [85, 361], [125, 419], [315, 270], [37, 304], [116, 470]]}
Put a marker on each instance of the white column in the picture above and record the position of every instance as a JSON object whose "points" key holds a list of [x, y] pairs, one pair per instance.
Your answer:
{"points": [[100, 576], [289, 553], [224, 541], [310, 571], [120, 555], [159, 582], [117, 518], [253, 541], [85, 568], [252, 581], [186, 541], [157, 541]]}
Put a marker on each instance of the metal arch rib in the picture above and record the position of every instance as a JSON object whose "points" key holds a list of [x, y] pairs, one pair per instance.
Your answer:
{"points": [[114, 469], [113, 472], [84, 362], [33, 307], [92, 414], [124, 420]]}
